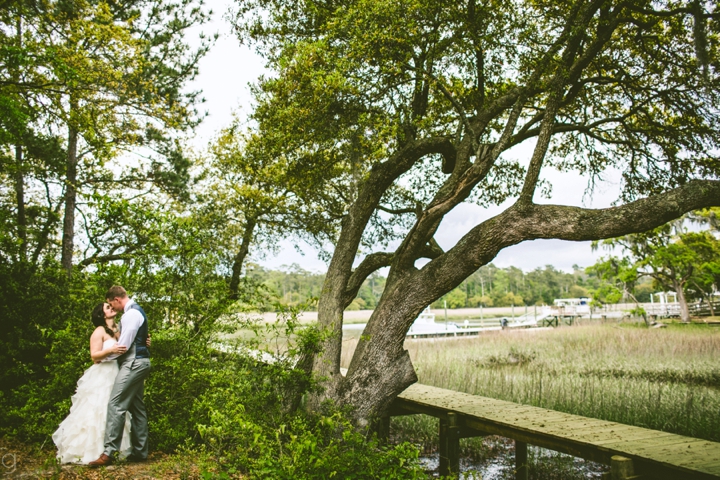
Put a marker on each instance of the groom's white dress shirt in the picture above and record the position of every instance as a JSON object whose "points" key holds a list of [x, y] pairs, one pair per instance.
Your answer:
{"points": [[130, 323]]}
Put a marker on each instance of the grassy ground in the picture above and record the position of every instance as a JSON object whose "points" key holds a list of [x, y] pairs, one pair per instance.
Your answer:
{"points": [[22, 461]]}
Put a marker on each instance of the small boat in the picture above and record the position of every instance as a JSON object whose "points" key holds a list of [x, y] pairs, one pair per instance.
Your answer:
{"points": [[425, 325]]}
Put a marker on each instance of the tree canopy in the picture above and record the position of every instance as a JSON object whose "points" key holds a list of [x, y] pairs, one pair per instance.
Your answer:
{"points": [[676, 259]]}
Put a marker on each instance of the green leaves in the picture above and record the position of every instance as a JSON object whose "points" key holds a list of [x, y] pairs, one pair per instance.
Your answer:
{"points": [[677, 260]]}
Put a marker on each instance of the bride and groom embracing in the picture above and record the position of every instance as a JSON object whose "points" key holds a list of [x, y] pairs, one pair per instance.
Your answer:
{"points": [[97, 426]]}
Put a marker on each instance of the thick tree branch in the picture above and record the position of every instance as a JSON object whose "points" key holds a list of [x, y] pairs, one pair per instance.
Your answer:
{"points": [[337, 286], [241, 254], [379, 180], [518, 224]]}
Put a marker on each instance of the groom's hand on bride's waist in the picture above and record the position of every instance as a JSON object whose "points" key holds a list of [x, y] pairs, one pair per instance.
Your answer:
{"points": [[119, 349]]}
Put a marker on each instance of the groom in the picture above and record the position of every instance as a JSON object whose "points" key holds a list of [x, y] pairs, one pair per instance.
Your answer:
{"points": [[127, 393]]}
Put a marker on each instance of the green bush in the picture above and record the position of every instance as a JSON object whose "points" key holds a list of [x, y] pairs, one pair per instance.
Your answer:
{"points": [[243, 416], [305, 447], [44, 331]]}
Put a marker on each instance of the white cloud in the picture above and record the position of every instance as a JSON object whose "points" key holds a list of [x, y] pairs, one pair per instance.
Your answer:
{"points": [[225, 74]]}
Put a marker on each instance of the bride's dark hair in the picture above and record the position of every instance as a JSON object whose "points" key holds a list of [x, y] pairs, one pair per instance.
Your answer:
{"points": [[98, 318]]}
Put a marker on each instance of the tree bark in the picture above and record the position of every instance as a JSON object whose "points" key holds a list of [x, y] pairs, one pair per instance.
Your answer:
{"points": [[68, 238], [20, 198]]}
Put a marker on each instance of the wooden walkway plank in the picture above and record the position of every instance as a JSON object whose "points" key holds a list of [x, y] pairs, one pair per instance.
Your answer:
{"points": [[623, 436], [682, 454], [657, 453], [528, 420], [572, 426], [661, 446]]}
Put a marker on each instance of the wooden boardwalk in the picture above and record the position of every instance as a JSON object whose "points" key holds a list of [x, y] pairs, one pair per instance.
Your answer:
{"points": [[632, 452]]}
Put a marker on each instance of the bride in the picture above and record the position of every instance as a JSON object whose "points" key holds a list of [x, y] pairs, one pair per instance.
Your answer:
{"points": [[80, 437]]}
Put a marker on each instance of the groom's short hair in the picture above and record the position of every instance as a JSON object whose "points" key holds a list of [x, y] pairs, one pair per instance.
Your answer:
{"points": [[116, 291]]}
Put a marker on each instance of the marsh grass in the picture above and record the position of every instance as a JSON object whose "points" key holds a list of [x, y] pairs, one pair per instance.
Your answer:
{"points": [[664, 379]]}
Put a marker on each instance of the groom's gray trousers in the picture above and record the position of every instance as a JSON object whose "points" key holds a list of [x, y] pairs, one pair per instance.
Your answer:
{"points": [[127, 396]]}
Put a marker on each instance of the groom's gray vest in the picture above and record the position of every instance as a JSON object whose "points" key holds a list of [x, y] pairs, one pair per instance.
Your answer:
{"points": [[138, 349], [141, 350]]}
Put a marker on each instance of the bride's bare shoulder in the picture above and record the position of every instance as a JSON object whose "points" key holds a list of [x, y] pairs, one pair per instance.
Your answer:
{"points": [[99, 332]]}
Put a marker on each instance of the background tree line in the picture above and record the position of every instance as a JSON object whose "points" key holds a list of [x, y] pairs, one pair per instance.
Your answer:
{"points": [[612, 279], [489, 286]]}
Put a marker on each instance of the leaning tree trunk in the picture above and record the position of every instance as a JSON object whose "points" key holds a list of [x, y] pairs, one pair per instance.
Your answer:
{"points": [[381, 368], [240, 258]]}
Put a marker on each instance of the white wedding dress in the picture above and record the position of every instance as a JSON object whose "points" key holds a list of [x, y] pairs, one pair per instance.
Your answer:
{"points": [[81, 436]]}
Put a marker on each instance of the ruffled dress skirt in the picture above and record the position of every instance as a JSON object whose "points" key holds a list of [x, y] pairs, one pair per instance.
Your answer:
{"points": [[81, 436]]}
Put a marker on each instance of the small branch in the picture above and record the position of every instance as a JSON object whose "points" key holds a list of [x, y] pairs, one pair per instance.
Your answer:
{"points": [[460, 110], [398, 211], [370, 264], [106, 258]]}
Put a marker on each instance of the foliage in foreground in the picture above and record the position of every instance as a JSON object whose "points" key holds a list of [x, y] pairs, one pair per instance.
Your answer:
{"points": [[242, 416]]}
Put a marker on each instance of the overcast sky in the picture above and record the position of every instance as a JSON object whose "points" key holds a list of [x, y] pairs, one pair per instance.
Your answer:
{"points": [[225, 75]]}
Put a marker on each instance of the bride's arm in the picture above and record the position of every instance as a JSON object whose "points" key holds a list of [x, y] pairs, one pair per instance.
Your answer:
{"points": [[96, 343]]}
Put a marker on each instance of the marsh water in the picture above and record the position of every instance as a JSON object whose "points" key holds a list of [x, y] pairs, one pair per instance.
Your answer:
{"points": [[544, 464]]}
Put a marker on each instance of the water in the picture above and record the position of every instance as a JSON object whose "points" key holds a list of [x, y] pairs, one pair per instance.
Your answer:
{"points": [[546, 463]]}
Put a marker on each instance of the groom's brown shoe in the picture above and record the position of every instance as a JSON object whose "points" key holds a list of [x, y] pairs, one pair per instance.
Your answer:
{"points": [[103, 461]]}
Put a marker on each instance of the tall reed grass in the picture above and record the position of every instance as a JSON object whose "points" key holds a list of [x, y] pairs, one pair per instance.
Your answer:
{"points": [[663, 379]]}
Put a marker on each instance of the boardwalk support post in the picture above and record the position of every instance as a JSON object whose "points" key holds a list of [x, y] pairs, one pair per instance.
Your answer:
{"points": [[521, 466], [383, 429], [621, 468], [449, 445]]}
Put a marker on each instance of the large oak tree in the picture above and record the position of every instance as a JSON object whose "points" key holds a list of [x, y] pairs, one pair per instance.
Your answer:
{"points": [[421, 101]]}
